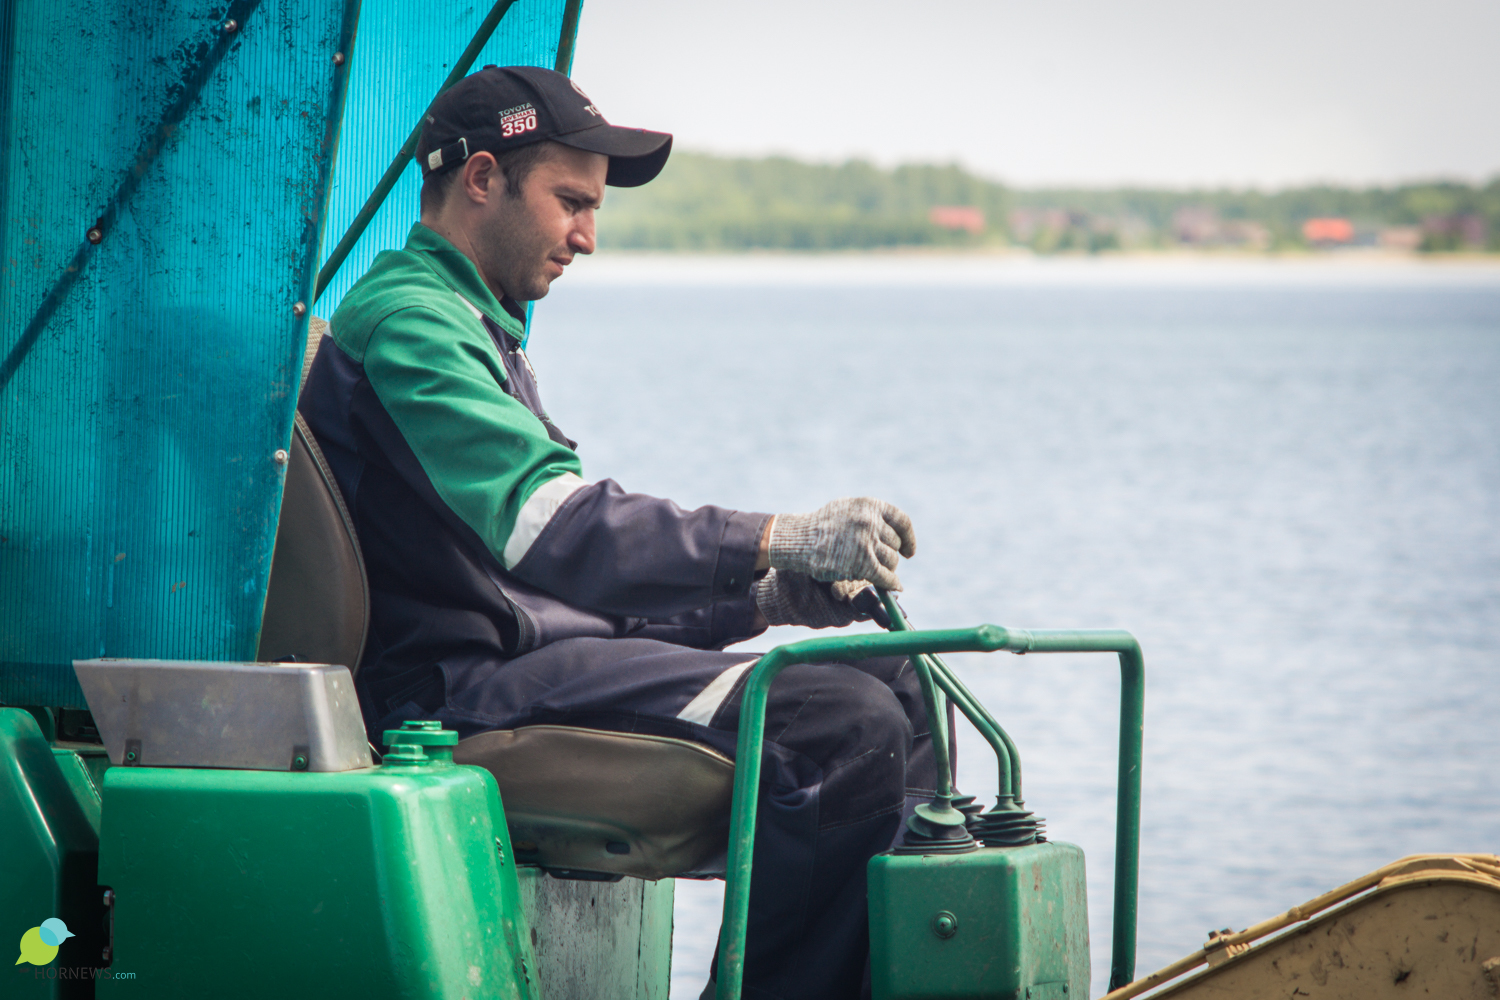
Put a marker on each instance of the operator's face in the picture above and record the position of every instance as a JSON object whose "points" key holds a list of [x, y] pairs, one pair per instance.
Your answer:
{"points": [[523, 243]]}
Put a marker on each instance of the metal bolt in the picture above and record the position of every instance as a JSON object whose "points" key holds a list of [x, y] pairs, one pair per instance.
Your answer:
{"points": [[95, 235], [945, 924], [338, 59], [299, 309], [231, 26], [299, 763], [130, 755], [280, 456]]}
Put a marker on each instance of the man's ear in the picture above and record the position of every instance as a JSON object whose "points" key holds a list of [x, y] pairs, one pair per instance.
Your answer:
{"points": [[480, 174]]}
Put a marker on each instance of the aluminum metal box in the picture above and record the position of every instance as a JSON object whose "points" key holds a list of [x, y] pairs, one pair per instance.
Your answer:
{"points": [[254, 716]]}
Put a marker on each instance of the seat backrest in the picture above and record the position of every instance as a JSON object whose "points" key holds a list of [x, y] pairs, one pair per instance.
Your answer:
{"points": [[318, 601]]}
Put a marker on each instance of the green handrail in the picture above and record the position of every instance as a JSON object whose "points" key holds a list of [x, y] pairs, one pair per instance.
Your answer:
{"points": [[1128, 782], [983, 639]]}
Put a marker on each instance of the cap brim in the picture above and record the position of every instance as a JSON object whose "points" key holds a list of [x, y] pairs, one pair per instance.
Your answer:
{"points": [[635, 155]]}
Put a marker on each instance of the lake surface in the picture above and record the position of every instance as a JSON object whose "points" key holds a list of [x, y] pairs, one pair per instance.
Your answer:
{"points": [[1283, 478]]}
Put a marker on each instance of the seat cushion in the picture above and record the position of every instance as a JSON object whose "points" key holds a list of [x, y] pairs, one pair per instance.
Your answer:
{"points": [[586, 800]]}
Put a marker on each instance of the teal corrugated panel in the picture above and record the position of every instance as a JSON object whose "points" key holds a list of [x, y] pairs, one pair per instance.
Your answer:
{"points": [[148, 378], [405, 52]]}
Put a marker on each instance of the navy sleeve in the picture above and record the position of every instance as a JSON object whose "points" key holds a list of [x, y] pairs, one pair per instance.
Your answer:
{"points": [[713, 627], [630, 554]]}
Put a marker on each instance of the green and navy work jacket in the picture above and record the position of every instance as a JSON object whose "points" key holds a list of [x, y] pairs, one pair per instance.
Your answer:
{"points": [[481, 539]]}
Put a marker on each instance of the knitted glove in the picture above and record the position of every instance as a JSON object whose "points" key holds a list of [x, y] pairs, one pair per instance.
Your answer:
{"points": [[857, 538], [788, 598]]}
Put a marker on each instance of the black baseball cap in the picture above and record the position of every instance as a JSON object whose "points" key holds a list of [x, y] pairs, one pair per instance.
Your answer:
{"points": [[501, 108]]}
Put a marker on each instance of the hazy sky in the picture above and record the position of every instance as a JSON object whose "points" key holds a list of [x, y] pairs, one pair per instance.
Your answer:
{"points": [[1067, 91]]}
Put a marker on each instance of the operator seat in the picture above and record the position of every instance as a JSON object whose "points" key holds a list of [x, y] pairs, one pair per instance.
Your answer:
{"points": [[577, 801]]}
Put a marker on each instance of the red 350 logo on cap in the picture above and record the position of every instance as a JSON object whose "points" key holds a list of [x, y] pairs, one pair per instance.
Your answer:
{"points": [[514, 121]]}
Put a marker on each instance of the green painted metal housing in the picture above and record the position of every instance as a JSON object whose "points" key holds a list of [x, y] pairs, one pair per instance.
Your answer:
{"points": [[386, 882], [1000, 922], [49, 855]]}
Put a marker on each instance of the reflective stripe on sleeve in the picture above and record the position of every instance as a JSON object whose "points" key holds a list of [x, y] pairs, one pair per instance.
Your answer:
{"points": [[702, 708], [536, 512]]}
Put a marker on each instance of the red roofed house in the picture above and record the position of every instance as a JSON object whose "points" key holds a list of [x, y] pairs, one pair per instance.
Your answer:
{"points": [[957, 217], [1328, 231]]}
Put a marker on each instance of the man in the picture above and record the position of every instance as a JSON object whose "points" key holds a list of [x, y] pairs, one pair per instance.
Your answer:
{"points": [[506, 590]]}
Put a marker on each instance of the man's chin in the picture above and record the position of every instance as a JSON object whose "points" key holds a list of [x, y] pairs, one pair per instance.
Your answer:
{"points": [[536, 291]]}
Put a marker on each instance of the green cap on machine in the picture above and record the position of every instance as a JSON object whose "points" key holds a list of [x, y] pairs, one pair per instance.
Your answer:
{"points": [[427, 733]]}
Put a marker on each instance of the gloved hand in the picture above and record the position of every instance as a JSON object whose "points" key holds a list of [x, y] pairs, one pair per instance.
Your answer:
{"points": [[856, 538], [787, 598]]}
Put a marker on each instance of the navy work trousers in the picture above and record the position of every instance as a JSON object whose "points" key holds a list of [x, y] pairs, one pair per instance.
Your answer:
{"points": [[847, 745]]}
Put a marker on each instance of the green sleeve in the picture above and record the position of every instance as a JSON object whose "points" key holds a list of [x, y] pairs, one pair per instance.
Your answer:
{"points": [[441, 379]]}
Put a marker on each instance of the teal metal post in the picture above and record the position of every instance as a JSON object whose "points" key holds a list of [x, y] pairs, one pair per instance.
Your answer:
{"points": [[567, 37], [985, 638], [409, 147]]}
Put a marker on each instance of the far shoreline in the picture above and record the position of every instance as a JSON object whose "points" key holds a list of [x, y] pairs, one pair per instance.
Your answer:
{"points": [[926, 267], [1490, 257]]}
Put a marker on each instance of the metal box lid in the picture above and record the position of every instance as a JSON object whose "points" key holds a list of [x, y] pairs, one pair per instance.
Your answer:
{"points": [[254, 716]]}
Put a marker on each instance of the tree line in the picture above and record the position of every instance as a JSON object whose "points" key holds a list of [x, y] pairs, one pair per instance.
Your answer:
{"points": [[704, 203]]}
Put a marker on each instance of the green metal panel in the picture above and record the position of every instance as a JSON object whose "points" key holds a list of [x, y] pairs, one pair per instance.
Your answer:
{"points": [[1000, 922], [385, 882], [599, 940], [163, 174], [48, 860]]}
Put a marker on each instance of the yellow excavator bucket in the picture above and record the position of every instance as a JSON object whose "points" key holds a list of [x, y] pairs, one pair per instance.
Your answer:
{"points": [[1426, 926]]}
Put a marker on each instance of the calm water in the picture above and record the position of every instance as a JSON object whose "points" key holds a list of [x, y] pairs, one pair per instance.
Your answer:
{"points": [[1285, 480]]}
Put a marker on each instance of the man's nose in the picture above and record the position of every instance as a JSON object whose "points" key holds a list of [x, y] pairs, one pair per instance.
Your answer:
{"points": [[581, 238]]}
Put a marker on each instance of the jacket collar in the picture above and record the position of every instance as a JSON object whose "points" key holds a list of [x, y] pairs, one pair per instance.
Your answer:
{"points": [[459, 273]]}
